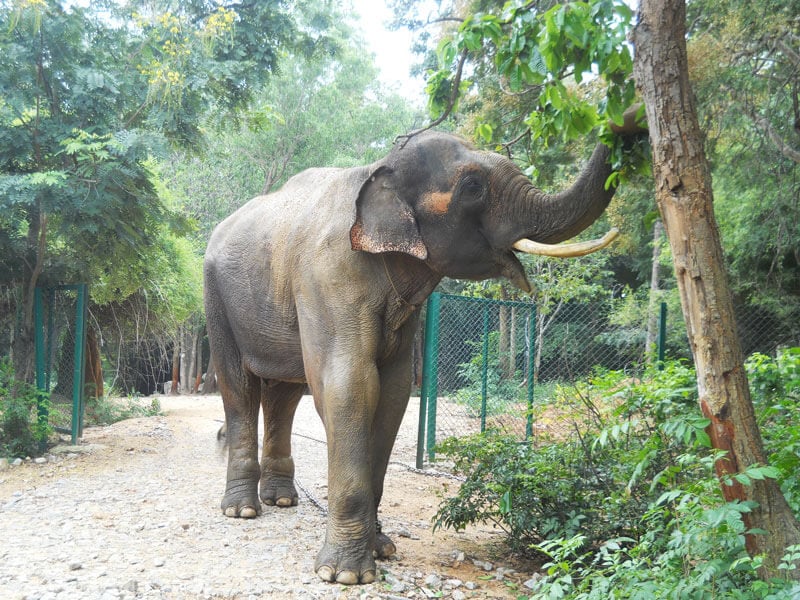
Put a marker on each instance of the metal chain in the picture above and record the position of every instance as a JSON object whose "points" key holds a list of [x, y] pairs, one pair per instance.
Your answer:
{"points": [[429, 472], [322, 508]]}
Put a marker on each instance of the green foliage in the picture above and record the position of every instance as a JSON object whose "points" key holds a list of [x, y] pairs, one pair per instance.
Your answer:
{"points": [[552, 58], [107, 410], [629, 506], [323, 110], [92, 94], [775, 389], [22, 430]]}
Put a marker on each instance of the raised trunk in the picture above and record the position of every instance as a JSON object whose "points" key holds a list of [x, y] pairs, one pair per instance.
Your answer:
{"points": [[564, 215], [553, 218]]}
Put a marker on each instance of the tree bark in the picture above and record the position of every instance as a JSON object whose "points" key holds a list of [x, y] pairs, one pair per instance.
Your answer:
{"points": [[198, 373], [94, 366], [176, 363], [210, 385], [684, 197], [503, 342]]}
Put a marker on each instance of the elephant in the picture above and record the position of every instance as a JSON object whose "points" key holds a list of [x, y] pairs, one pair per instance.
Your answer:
{"points": [[320, 284]]}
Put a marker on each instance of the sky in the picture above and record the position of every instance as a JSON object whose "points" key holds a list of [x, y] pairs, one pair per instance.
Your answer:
{"points": [[392, 49]]}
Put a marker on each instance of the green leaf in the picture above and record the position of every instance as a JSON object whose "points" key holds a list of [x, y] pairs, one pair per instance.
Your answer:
{"points": [[485, 131]]}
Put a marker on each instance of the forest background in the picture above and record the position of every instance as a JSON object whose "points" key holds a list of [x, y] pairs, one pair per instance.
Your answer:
{"points": [[128, 130]]}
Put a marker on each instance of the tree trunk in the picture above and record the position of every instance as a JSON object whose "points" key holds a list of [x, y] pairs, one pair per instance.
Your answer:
{"points": [[503, 342], [210, 385], [187, 373], [176, 363], [23, 349], [94, 366], [512, 343], [198, 377], [652, 308], [684, 197]]}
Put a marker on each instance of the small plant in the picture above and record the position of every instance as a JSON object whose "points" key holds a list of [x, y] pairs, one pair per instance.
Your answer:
{"points": [[775, 389], [107, 410], [23, 431]]}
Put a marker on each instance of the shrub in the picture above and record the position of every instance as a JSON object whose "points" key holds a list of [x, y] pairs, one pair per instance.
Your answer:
{"points": [[597, 482], [629, 506], [775, 389], [106, 410], [22, 431]]}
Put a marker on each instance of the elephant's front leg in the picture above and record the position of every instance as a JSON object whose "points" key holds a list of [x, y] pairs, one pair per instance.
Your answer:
{"points": [[347, 408], [395, 389]]}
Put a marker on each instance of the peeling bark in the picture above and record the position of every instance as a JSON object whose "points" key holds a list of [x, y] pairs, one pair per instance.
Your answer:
{"points": [[685, 201]]}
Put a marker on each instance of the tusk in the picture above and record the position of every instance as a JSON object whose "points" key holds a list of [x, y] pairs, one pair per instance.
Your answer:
{"points": [[567, 250]]}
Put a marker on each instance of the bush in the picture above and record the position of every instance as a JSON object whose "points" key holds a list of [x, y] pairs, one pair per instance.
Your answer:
{"points": [[106, 410], [597, 482], [629, 506], [775, 389], [22, 430]]}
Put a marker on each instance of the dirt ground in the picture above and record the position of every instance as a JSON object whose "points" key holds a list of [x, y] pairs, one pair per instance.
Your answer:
{"points": [[134, 512]]}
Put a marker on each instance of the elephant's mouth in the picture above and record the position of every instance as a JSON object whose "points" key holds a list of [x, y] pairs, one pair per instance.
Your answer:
{"points": [[513, 270]]}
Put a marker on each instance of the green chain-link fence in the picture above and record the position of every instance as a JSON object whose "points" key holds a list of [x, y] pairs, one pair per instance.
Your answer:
{"points": [[60, 330], [487, 363]]}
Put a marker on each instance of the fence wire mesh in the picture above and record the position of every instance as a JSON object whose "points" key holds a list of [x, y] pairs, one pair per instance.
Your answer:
{"points": [[488, 363]]}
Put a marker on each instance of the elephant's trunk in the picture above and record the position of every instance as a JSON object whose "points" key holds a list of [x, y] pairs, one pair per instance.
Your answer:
{"points": [[543, 220], [553, 218]]}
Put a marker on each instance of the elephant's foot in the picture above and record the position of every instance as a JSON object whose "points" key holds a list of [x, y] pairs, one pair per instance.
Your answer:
{"points": [[241, 498], [277, 482], [384, 546], [347, 565]]}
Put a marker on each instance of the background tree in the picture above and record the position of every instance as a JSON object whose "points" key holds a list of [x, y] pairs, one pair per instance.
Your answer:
{"points": [[542, 56], [90, 95]]}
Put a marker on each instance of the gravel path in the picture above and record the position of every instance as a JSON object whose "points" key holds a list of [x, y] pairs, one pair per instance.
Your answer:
{"points": [[133, 512]]}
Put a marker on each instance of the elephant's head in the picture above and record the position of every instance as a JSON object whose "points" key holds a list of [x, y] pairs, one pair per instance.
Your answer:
{"points": [[464, 211]]}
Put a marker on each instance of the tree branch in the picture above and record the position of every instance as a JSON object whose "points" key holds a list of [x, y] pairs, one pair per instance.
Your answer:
{"points": [[764, 125], [454, 92]]}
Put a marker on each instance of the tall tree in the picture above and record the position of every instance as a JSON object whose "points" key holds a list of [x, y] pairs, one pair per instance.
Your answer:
{"points": [[685, 201], [90, 94]]}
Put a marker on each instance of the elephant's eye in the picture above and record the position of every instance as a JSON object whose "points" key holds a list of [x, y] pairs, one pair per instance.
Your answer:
{"points": [[471, 188]]}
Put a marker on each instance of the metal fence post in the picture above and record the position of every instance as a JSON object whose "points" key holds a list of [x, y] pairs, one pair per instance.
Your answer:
{"points": [[42, 412], [531, 354], [430, 374], [485, 366], [79, 364], [662, 334]]}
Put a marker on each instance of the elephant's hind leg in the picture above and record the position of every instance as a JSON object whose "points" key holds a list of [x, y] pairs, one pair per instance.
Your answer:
{"points": [[241, 422], [279, 402]]}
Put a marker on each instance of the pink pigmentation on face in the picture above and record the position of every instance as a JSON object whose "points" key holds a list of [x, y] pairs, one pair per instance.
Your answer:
{"points": [[437, 203]]}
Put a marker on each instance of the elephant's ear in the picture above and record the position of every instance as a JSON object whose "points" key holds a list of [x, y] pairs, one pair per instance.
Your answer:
{"points": [[384, 222]]}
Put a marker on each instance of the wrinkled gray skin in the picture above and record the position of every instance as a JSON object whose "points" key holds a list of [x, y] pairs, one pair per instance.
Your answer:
{"points": [[320, 283]]}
